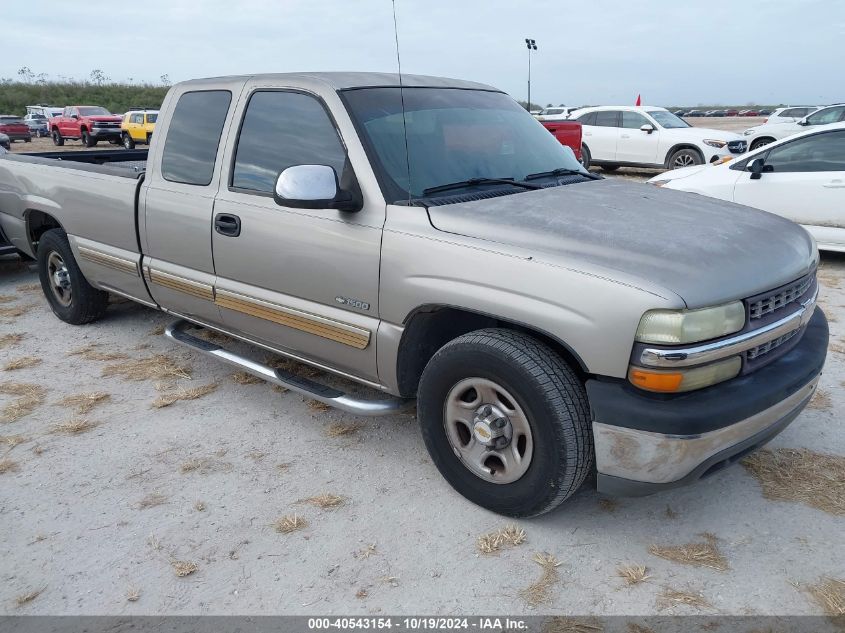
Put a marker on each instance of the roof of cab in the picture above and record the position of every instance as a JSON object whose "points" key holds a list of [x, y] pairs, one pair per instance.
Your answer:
{"points": [[348, 80]]}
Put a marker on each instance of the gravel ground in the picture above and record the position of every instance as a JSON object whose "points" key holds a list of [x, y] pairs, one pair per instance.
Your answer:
{"points": [[103, 521]]}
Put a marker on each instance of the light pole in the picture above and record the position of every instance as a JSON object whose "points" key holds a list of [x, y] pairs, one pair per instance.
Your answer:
{"points": [[532, 46]]}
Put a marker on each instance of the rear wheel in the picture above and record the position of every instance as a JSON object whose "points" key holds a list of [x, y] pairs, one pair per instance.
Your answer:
{"points": [[760, 142], [585, 157], [58, 140], [69, 294], [128, 143], [506, 422], [684, 158]]}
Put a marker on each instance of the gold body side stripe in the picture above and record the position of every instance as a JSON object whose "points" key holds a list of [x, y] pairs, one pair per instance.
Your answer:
{"points": [[109, 261], [336, 331], [179, 284]]}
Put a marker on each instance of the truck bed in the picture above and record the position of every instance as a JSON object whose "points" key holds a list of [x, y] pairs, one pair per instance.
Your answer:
{"points": [[125, 163]]}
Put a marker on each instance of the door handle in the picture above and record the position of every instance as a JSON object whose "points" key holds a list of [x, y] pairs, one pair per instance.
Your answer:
{"points": [[626, 136], [227, 224]]}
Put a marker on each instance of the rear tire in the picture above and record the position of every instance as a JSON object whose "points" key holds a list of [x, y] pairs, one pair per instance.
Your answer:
{"points": [[58, 140], [69, 294], [128, 143], [543, 403], [585, 157], [609, 167]]}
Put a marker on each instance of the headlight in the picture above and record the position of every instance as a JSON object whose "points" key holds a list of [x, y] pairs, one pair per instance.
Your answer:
{"points": [[714, 142], [674, 327], [679, 380]]}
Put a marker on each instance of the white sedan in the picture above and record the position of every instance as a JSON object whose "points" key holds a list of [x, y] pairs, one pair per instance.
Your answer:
{"points": [[801, 178]]}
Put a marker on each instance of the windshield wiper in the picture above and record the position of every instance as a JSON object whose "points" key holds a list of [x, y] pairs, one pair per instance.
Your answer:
{"points": [[472, 182], [562, 171]]}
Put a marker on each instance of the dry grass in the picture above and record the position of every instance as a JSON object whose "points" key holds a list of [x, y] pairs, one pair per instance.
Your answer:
{"points": [[673, 597], [801, 476], [492, 542], [199, 506], [75, 426], [361, 594], [204, 466], [366, 552], [316, 405], [670, 513], [325, 501], [92, 351], [85, 402], [7, 298], [837, 348], [158, 367], [289, 523], [539, 592], [29, 596], [13, 440], [703, 554], [633, 574], [184, 568], [165, 400], [829, 594], [28, 397], [7, 340], [29, 287], [608, 505], [157, 330], [152, 500], [13, 312], [283, 467], [246, 378], [342, 430], [821, 401], [8, 466], [568, 624], [22, 363], [133, 594], [213, 336]]}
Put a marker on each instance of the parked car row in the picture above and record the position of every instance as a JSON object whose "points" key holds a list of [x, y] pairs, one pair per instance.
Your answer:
{"points": [[780, 127], [732, 112]]}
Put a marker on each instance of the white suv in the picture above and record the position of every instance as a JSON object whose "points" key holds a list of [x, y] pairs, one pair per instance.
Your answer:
{"points": [[761, 135], [790, 114], [633, 136], [558, 113]]}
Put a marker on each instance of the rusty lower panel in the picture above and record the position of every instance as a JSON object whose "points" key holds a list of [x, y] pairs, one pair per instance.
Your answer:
{"points": [[662, 458]]}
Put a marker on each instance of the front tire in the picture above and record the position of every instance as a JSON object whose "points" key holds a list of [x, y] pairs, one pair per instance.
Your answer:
{"points": [[128, 143], [684, 157], [506, 421], [760, 142], [87, 140], [69, 294], [58, 140]]}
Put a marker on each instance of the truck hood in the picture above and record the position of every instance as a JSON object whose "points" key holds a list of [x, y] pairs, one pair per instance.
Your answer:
{"points": [[704, 250]]}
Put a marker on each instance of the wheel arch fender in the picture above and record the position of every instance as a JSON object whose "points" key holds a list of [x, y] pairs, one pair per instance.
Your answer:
{"points": [[40, 217]]}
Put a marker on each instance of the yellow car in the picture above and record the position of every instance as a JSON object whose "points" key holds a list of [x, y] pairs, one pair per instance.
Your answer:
{"points": [[138, 126]]}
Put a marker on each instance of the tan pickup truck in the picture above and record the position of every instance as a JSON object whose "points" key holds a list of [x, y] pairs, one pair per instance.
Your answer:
{"points": [[433, 241]]}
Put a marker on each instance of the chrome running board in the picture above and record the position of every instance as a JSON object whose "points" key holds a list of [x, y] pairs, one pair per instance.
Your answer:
{"points": [[322, 393]]}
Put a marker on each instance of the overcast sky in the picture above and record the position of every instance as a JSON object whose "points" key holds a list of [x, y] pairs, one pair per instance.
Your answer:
{"points": [[675, 52]]}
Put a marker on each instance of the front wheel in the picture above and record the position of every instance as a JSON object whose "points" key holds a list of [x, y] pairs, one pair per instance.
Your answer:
{"points": [[760, 142], [684, 158], [69, 294], [506, 421], [58, 140], [87, 140], [128, 143]]}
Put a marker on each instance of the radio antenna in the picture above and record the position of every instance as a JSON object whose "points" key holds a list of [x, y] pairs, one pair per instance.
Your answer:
{"points": [[402, 100]]}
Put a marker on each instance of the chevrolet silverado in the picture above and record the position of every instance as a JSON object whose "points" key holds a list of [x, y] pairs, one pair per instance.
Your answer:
{"points": [[431, 240]]}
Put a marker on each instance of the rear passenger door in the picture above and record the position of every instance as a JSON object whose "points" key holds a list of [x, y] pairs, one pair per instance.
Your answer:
{"points": [[179, 205], [603, 136], [301, 280]]}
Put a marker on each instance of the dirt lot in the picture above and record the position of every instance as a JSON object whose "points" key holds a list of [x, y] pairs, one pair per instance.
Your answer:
{"points": [[113, 504]]}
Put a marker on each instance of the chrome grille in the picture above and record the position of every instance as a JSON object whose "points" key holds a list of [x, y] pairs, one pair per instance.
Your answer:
{"points": [[761, 306], [765, 348], [105, 124]]}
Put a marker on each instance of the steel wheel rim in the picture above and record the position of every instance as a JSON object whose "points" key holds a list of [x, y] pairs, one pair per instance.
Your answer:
{"points": [[465, 423], [684, 160], [59, 279]]}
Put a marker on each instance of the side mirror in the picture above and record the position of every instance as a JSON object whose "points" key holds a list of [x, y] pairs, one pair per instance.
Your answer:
{"points": [[314, 187], [647, 128], [758, 167], [803, 121], [74, 116]]}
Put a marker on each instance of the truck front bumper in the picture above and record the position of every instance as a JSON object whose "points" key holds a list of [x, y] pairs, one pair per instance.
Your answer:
{"points": [[646, 443], [106, 133]]}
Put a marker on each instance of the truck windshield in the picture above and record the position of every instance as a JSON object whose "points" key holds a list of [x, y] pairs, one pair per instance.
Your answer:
{"points": [[94, 111], [453, 136]]}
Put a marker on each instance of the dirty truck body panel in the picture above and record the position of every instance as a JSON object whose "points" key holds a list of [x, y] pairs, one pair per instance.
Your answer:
{"points": [[202, 227]]}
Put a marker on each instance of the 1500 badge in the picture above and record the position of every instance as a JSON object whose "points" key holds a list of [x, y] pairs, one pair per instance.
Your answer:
{"points": [[353, 303]]}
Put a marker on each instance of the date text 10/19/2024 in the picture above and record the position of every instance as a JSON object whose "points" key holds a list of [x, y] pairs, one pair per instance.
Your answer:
{"points": [[419, 624]]}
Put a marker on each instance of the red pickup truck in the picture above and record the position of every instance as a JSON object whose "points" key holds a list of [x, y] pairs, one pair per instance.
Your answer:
{"points": [[89, 124], [567, 132]]}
